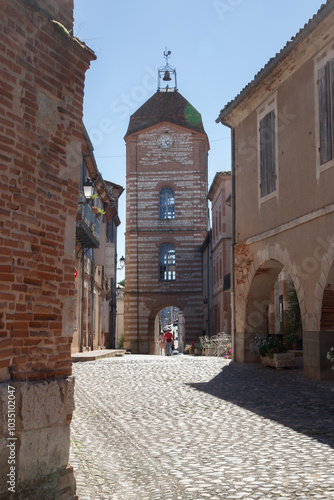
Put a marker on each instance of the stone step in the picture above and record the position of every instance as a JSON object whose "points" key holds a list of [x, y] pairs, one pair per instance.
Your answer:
{"points": [[98, 354]]}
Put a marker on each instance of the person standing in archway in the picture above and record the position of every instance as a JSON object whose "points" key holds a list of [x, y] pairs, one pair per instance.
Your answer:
{"points": [[162, 343], [169, 342]]}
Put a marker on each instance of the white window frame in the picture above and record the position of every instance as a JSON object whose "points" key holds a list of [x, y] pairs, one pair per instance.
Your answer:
{"points": [[166, 209], [320, 61], [267, 107], [167, 263]]}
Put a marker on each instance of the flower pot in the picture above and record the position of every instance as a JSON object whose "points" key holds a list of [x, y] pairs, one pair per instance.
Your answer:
{"points": [[209, 351], [280, 360]]}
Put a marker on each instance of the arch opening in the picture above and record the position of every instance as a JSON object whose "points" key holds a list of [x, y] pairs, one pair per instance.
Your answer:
{"points": [[171, 318], [273, 308], [326, 333]]}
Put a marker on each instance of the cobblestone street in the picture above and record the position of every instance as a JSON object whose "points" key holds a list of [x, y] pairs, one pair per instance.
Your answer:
{"points": [[184, 427]]}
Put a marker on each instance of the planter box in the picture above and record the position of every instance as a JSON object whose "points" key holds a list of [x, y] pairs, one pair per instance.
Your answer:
{"points": [[280, 360], [209, 351]]}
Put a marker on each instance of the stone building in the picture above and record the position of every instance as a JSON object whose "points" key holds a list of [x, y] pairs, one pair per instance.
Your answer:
{"points": [[96, 242], [166, 219], [283, 172], [220, 196], [42, 84]]}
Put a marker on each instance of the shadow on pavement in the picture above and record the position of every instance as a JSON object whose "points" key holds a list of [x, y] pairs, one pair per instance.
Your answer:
{"points": [[287, 397]]}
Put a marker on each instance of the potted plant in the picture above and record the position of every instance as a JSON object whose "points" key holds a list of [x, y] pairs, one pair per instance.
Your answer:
{"points": [[187, 349], [197, 349], [330, 356], [228, 351], [273, 352], [290, 340], [207, 346], [98, 211], [292, 324]]}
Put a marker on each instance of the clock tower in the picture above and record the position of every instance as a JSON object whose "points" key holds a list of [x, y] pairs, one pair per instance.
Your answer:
{"points": [[166, 214]]}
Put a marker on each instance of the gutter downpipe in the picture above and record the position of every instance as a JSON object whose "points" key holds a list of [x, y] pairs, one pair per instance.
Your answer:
{"points": [[82, 300], [233, 328], [212, 319], [92, 274]]}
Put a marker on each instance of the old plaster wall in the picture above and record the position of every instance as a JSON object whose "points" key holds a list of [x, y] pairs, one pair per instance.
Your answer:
{"points": [[293, 226]]}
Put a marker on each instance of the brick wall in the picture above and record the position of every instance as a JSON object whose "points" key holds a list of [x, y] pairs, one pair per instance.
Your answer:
{"points": [[42, 74], [183, 168], [42, 80]]}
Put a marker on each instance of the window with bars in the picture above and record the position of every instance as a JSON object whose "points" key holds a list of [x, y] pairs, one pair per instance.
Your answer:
{"points": [[166, 262], [268, 154], [326, 111], [166, 203]]}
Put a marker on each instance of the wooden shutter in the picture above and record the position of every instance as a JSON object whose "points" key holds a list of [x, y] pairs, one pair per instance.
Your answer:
{"points": [[325, 110], [267, 154], [263, 156], [271, 152]]}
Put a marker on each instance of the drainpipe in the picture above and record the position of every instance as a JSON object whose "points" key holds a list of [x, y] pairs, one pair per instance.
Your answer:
{"points": [[212, 319], [208, 284], [92, 272], [233, 328], [82, 299]]}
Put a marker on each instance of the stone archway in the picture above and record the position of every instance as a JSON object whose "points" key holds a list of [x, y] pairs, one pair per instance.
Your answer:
{"points": [[326, 333], [154, 327], [253, 298], [259, 296]]}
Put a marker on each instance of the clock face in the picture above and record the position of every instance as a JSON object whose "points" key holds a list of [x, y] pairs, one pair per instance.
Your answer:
{"points": [[164, 141]]}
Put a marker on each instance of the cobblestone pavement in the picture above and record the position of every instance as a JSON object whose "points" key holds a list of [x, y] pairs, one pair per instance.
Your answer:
{"points": [[198, 428]]}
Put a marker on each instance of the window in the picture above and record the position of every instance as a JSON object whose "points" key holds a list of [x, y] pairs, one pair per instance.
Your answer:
{"points": [[326, 111], [268, 154], [166, 262], [166, 203]]}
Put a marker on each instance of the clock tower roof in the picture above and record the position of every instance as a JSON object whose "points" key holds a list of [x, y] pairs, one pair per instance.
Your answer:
{"points": [[166, 106]]}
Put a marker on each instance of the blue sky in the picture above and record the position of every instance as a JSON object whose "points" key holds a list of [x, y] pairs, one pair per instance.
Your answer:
{"points": [[217, 46]]}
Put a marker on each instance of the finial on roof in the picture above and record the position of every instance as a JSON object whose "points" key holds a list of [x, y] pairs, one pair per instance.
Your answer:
{"points": [[167, 54], [167, 74]]}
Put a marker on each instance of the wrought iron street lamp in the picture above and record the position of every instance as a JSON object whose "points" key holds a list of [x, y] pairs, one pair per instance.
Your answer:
{"points": [[122, 263], [88, 189]]}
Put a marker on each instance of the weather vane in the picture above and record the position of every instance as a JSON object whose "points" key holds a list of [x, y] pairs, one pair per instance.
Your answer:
{"points": [[167, 54]]}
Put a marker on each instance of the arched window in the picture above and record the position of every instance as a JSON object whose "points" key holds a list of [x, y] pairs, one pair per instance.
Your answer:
{"points": [[166, 262], [166, 203]]}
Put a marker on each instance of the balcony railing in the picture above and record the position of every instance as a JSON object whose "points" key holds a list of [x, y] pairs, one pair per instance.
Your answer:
{"points": [[87, 227]]}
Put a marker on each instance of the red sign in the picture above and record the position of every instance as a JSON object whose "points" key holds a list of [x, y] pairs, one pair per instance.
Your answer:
{"points": [[75, 273]]}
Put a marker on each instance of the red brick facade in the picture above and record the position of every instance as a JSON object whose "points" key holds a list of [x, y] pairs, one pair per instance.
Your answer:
{"points": [[42, 83], [183, 168], [41, 129]]}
